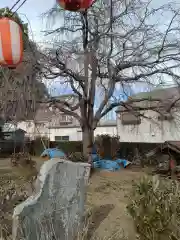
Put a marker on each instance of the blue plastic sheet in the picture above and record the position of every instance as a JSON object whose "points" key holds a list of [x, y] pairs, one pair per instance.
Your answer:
{"points": [[110, 165], [95, 157], [53, 153]]}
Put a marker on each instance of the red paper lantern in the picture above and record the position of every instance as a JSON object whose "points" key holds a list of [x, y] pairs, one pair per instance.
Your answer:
{"points": [[11, 43], [75, 5]]}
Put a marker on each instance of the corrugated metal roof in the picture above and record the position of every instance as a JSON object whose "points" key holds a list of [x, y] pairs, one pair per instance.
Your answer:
{"points": [[9, 127]]}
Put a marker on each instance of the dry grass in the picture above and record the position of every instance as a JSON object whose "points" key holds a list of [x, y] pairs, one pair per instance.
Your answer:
{"points": [[155, 208], [84, 233], [13, 191]]}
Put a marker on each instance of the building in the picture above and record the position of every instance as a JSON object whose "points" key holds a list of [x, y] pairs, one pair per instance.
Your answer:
{"points": [[12, 138], [151, 117], [74, 132], [60, 127]]}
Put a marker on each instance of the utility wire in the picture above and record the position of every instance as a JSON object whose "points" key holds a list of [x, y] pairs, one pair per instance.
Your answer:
{"points": [[15, 4], [20, 6]]}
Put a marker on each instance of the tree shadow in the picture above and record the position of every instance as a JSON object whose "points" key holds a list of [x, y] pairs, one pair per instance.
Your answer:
{"points": [[98, 215]]}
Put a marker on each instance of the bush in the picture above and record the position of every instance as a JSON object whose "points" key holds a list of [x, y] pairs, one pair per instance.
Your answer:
{"points": [[107, 146], [37, 146], [76, 157], [155, 208], [69, 147]]}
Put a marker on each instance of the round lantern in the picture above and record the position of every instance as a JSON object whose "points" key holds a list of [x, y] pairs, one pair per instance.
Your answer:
{"points": [[11, 43], [75, 5]]}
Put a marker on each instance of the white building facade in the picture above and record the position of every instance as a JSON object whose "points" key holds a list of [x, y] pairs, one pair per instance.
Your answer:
{"points": [[150, 129], [59, 133], [152, 117]]}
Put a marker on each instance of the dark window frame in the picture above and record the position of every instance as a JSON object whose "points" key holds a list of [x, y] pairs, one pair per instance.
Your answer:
{"points": [[65, 119], [62, 138], [134, 116], [165, 117]]}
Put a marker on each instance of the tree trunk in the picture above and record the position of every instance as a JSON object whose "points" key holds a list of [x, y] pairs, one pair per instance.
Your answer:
{"points": [[88, 141]]}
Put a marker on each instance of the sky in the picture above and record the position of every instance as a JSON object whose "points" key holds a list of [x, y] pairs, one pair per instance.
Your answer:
{"points": [[33, 10]]}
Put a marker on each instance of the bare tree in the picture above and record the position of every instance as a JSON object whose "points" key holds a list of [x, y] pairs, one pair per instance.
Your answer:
{"points": [[21, 88], [111, 45]]}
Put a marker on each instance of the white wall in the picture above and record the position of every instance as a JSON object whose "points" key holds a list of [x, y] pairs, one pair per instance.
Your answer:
{"points": [[75, 133], [71, 132], [32, 130], [111, 130], [150, 130]]}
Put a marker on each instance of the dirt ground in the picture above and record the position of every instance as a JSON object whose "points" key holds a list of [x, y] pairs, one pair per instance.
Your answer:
{"points": [[106, 200], [108, 196]]}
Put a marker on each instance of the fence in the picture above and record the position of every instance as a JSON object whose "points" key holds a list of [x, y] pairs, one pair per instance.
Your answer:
{"points": [[36, 147]]}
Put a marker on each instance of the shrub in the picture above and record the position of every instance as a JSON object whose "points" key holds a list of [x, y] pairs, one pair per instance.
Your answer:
{"points": [[155, 208], [68, 147], [76, 157], [37, 146], [107, 146]]}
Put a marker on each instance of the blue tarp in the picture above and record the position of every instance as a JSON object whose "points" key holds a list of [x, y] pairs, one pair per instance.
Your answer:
{"points": [[95, 157], [53, 153], [110, 165]]}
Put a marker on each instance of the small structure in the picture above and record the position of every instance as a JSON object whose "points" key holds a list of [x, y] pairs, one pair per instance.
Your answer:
{"points": [[167, 157], [11, 139]]}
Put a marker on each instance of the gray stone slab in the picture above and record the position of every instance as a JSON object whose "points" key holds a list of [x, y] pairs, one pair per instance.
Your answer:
{"points": [[56, 208]]}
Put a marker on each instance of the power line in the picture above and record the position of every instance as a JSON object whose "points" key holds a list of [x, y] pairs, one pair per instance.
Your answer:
{"points": [[20, 6], [15, 5]]}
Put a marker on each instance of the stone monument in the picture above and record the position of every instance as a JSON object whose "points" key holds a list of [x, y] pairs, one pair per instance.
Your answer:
{"points": [[56, 208]]}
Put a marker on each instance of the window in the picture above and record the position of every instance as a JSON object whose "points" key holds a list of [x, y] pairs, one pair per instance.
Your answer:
{"points": [[130, 118], [65, 138], [64, 123], [8, 136], [61, 138], [65, 119], [165, 117]]}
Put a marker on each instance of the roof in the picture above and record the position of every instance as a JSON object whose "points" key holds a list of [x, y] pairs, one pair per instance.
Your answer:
{"points": [[173, 145], [8, 127], [106, 123], [65, 96], [156, 99]]}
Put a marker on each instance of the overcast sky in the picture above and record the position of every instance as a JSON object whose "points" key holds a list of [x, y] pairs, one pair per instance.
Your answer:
{"points": [[32, 9]]}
